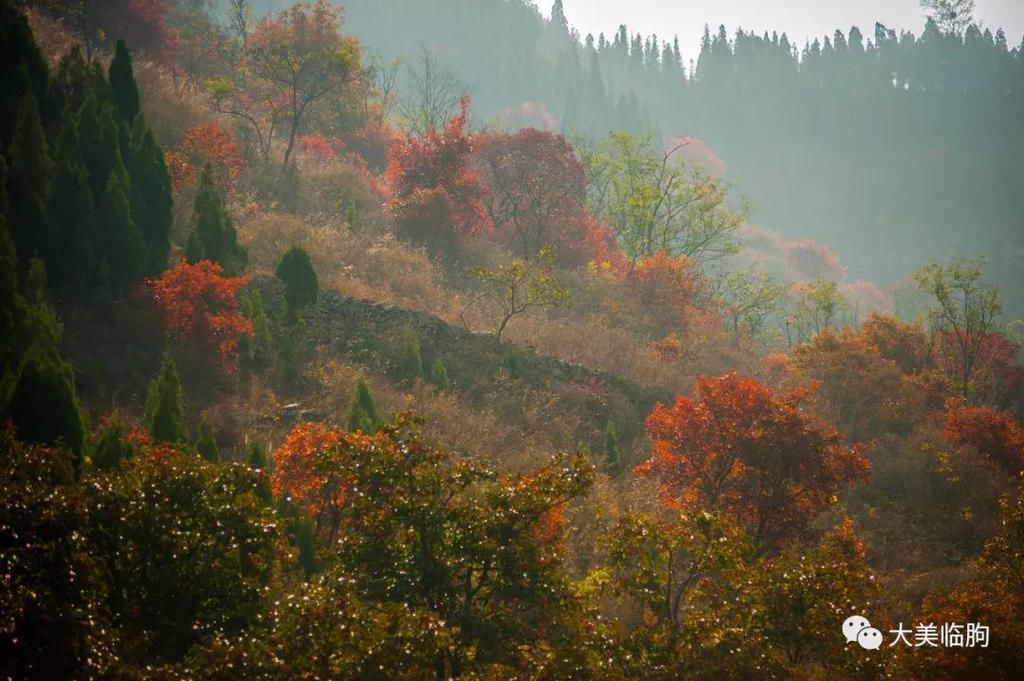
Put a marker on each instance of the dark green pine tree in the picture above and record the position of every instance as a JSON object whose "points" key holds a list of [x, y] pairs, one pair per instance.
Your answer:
{"points": [[113, 446], [304, 531], [44, 404], [11, 302], [100, 144], [123, 248], [36, 326], [123, 86], [362, 414], [410, 361], [212, 236], [75, 80], [260, 463], [151, 201], [300, 280], [72, 212], [206, 445], [259, 349], [22, 69], [164, 411], [612, 455], [10, 299], [439, 375], [29, 180]]}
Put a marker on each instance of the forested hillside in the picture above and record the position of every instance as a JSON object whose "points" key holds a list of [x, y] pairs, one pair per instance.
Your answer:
{"points": [[317, 364], [858, 137]]}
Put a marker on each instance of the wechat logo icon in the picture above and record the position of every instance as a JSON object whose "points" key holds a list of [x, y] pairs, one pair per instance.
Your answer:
{"points": [[857, 628]]}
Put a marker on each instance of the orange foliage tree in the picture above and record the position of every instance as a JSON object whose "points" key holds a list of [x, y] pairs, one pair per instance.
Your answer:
{"points": [[905, 344], [740, 448], [862, 392], [666, 290], [306, 474], [994, 433], [437, 192], [200, 303], [205, 143]]}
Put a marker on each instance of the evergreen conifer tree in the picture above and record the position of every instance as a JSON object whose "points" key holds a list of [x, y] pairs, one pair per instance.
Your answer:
{"points": [[558, 18], [410, 363], [150, 197], [259, 349], [300, 280], [72, 211], [164, 411], [212, 236], [305, 540], [22, 69], [29, 180], [612, 456], [122, 84], [100, 144], [362, 414], [44, 405], [259, 461], [439, 375], [123, 247], [10, 299], [113, 446], [206, 445]]}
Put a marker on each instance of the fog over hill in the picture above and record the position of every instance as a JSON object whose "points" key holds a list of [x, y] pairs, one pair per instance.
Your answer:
{"points": [[859, 137]]}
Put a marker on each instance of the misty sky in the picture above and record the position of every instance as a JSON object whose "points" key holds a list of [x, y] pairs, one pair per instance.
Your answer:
{"points": [[801, 19]]}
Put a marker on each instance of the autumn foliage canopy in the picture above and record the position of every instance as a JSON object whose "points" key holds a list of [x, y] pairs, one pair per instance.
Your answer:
{"points": [[740, 448], [435, 184], [994, 433], [205, 143], [200, 303]]}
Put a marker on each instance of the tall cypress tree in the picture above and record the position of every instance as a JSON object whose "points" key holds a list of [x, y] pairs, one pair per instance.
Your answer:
{"points": [[151, 202], [410, 360], [100, 143], [612, 456], [113, 446], [362, 414], [300, 281], [123, 247], [75, 79], [558, 18], [213, 235], [44, 406], [22, 69], [72, 211], [439, 375], [259, 462], [28, 183], [11, 301], [122, 85], [164, 411], [206, 445]]}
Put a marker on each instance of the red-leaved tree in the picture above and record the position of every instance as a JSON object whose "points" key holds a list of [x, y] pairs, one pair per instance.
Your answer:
{"points": [[205, 143], [996, 434], [437, 192], [740, 448], [536, 192], [666, 290], [201, 305], [306, 474]]}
